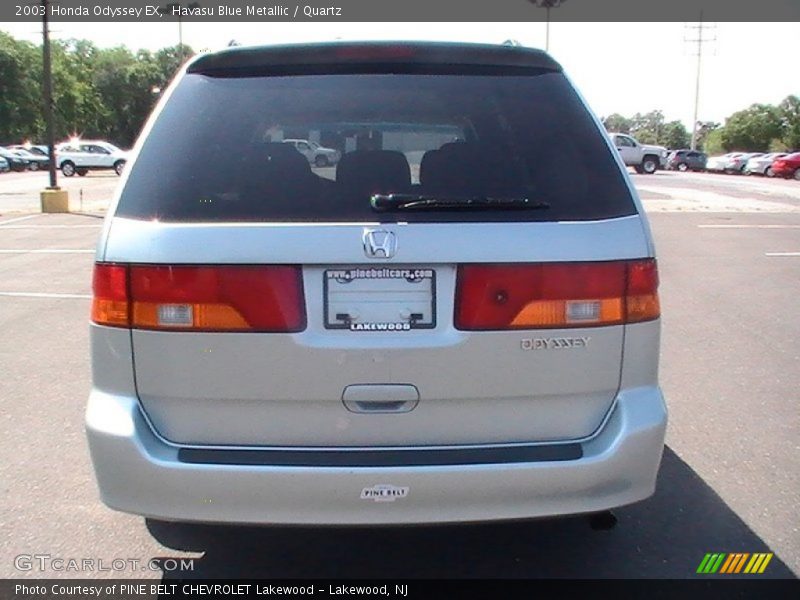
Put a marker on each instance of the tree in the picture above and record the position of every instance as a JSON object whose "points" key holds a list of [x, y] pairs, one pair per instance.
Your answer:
{"points": [[704, 128], [713, 142], [617, 123], [752, 129], [675, 135], [20, 90], [790, 120], [648, 128]]}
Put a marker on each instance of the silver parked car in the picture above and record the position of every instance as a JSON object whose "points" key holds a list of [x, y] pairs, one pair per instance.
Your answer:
{"points": [[762, 165], [461, 323]]}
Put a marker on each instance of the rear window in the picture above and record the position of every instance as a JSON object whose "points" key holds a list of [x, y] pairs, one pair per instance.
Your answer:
{"points": [[316, 147]]}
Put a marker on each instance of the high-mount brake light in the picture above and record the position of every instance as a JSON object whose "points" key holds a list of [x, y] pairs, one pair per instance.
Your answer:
{"points": [[556, 295], [202, 298]]}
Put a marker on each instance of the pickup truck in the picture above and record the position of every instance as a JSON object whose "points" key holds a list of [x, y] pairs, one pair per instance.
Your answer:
{"points": [[317, 155], [82, 155], [643, 158]]}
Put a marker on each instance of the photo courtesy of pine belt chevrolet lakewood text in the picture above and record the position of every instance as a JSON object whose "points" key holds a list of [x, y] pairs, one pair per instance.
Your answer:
{"points": [[393, 305]]}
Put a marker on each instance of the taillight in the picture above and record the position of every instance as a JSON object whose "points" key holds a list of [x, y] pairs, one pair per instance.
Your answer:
{"points": [[555, 295], [110, 304], [212, 298]]}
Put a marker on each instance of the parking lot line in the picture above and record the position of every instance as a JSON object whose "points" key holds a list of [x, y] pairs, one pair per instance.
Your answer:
{"points": [[782, 254], [4, 223], [43, 295], [46, 251], [744, 226], [51, 226]]}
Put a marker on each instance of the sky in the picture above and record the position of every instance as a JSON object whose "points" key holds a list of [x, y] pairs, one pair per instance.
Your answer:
{"points": [[618, 67]]}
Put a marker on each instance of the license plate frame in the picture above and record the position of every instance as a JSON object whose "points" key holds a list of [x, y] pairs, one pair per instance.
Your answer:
{"points": [[379, 286]]}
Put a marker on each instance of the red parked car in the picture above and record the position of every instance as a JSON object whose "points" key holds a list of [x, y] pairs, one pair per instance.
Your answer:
{"points": [[788, 166]]}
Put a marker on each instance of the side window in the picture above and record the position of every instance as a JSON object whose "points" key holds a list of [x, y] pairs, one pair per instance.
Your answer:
{"points": [[302, 146], [624, 142]]}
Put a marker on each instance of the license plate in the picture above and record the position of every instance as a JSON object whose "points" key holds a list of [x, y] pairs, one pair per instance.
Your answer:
{"points": [[388, 299]]}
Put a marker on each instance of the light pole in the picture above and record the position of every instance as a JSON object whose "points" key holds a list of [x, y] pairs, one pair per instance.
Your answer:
{"points": [[47, 85], [547, 5], [176, 6]]}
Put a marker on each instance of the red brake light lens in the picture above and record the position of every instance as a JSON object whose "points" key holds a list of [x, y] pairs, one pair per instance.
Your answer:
{"points": [[555, 295], [214, 298], [110, 304]]}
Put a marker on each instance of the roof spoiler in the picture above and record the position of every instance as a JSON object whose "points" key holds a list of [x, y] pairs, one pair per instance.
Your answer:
{"points": [[364, 54]]}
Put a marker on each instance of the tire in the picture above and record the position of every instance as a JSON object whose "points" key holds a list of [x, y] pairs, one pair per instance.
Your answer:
{"points": [[796, 175], [769, 172], [119, 166], [649, 165], [34, 166], [82, 172], [321, 161], [683, 167], [68, 168]]}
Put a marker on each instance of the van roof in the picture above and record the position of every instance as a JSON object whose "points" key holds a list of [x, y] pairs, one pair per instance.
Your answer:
{"points": [[370, 53]]}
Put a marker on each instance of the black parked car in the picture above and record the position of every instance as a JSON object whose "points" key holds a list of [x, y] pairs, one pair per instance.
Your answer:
{"points": [[685, 160], [16, 163], [36, 155]]}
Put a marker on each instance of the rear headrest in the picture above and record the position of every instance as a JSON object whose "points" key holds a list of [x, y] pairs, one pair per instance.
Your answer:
{"points": [[455, 168], [366, 172]]}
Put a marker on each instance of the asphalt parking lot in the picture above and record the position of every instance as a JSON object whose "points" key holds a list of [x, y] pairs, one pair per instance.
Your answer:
{"points": [[729, 250]]}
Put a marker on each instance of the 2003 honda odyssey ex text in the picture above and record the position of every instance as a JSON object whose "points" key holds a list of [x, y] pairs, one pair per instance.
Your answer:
{"points": [[458, 321]]}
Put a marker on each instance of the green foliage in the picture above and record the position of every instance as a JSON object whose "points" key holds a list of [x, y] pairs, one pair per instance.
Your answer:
{"points": [[648, 128], [713, 143], [20, 90], [790, 120], [617, 123], [704, 128], [752, 129], [676, 136], [105, 93], [777, 145]]}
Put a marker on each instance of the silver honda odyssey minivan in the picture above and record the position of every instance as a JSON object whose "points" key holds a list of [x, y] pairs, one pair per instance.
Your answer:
{"points": [[457, 321]]}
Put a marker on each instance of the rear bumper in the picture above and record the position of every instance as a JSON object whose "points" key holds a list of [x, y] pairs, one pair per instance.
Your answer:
{"points": [[139, 473]]}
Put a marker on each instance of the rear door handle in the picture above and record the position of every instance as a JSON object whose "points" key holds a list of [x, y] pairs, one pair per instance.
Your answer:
{"points": [[380, 398]]}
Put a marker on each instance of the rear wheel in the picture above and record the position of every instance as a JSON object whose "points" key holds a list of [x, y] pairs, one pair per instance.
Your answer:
{"points": [[797, 175], [34, 166], [683, 167], [68, 168], [649, 165], [119, 166], [769, 172]]}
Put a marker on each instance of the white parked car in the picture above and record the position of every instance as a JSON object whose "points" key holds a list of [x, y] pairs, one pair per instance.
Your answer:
{"points": [[317, 155], [720, 163], [80, 156]]}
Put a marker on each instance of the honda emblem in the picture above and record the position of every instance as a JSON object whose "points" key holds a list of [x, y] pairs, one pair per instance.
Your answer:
{"points": [[379, 243]]}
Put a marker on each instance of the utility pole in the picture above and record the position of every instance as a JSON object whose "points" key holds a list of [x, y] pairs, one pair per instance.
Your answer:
{"points": [[48, 93], [699, 30]]}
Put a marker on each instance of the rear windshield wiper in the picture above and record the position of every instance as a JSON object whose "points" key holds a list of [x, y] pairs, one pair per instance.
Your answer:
{"points": [[387, 202]]}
